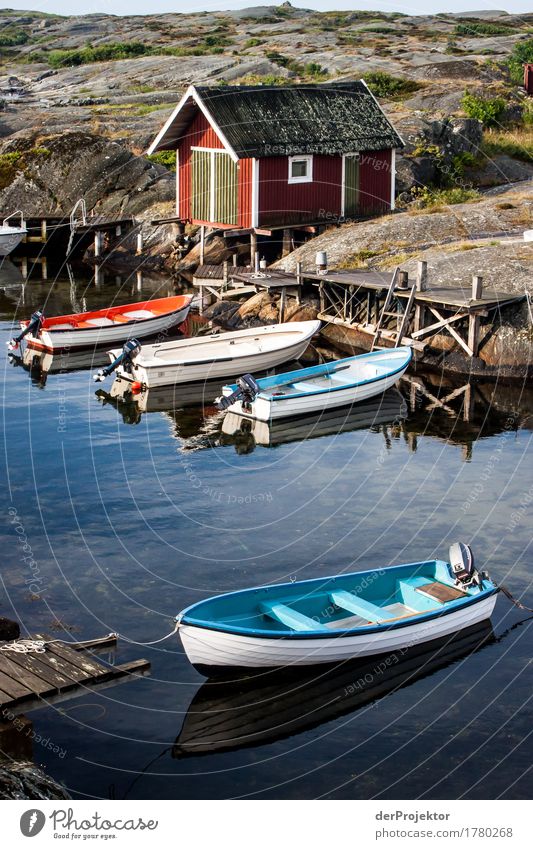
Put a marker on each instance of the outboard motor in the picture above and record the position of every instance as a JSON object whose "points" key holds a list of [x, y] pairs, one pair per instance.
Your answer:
{"points": [[462, 565], [129, 351], [34, 326], [246, 392]]}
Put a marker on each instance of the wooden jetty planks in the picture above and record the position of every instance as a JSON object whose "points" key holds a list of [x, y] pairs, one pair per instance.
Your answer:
{"points": [[29, 679]]}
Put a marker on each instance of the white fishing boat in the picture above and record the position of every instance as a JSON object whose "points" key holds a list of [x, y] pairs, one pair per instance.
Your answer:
{"points": [[214, 356], [322, 387], [102, 327], [331, 619], [11, 236]]}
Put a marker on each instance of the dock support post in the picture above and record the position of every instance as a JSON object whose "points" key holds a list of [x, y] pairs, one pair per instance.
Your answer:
{"points": [[421, 286], [44, 268], [473, 319], [234, 259], [24, 268], [43, 230], [224, 275], [287, 241], [253, 248], [139, 280], [118, 230], [322, 297], [98, 242], [202, 243], [140, 244], [282, 304]]}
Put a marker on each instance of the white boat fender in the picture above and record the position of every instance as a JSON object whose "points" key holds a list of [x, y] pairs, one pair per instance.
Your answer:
{"points": [[34, 326], [246, 392], [129, 351]]}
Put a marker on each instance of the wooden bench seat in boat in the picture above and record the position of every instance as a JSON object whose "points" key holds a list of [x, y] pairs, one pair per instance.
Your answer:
{"points": [[293, 619], [348, 601]]}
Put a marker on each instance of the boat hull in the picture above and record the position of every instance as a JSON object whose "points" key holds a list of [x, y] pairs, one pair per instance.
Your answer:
{"points": [[266, 410], [161, 373], [105, 336], [214, 649], [10, 238]]}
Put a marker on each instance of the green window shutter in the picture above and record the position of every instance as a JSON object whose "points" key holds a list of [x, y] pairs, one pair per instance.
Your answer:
{"points": [[201, 185], [225, 189], [351, 185]]}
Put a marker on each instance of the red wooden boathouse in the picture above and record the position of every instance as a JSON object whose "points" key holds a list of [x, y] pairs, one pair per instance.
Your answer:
{"points": [[261, 156]]}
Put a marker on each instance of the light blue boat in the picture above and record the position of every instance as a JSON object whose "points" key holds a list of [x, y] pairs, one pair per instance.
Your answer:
{"points": [[326, 620], [318, 388]]}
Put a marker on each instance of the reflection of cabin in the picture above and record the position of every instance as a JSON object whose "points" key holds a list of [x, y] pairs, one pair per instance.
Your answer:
{"points": [[267, 156]]}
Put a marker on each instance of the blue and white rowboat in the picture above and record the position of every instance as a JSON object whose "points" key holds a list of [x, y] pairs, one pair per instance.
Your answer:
{"points": [[327, 620], [322, 387]]}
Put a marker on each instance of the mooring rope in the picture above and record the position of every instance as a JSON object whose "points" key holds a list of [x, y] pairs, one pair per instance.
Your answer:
{"points": [[514, 600]]}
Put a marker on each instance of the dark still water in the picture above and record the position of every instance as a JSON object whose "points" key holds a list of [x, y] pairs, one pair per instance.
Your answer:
{"points": [[132, 515]]}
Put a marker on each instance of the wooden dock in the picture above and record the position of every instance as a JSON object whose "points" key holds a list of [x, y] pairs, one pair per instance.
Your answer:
{"points": [[34, 680], [386, 307]]}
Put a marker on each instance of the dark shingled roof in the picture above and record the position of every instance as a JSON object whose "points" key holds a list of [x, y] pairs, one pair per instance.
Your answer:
{"points": [[331, 118]]}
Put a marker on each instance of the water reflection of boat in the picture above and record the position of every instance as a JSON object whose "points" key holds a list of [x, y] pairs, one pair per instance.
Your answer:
{"points": [[385, 409], [185, 404], [63, 361], [263, 708]]}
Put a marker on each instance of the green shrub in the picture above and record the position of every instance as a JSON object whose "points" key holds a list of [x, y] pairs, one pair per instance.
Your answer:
{"points": [[386, 85], [488, 111], [166, 158], [431, 198], [253, 42], [473, 29], [13, 38], [522, 52]]}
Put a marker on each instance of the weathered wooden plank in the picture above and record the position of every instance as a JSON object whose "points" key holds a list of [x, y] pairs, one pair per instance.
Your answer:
{"points": [[86, 664], [5, 699], [12, 687], [100, 642], [27, 677], [33, 664]]}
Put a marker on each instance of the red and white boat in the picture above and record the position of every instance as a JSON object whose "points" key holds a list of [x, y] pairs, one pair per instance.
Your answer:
{"points": [[103, 327]]}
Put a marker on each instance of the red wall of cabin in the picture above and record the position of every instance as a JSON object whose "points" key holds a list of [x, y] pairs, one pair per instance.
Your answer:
{"points": [[281, 202], [375, 181]]}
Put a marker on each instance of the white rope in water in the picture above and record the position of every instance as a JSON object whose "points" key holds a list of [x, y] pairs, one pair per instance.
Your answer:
{"points": [[39, 646]]}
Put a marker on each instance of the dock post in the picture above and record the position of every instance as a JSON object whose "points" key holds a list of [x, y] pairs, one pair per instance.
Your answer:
{"points": [[44, 268], [299, 282], [234, 259], [139, 280], [473, 318], [140, 244], [202, 243], [224, 275], [282, 304], [118, 230], [24, 268], [253, 248], [287, 242], [98, 241], [421, 286], [43, 230]]}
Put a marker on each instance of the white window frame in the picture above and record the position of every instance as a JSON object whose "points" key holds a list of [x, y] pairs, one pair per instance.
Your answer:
{"points": [[308, 157]]}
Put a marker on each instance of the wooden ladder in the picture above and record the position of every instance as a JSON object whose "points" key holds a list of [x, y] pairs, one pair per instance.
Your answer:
{"points": [[402, 318]]}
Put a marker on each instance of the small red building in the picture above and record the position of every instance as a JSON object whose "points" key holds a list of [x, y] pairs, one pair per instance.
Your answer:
{"points": [[260, 156]]}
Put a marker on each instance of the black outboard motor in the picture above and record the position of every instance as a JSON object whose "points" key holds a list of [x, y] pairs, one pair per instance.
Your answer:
{"points": [[34, 326], [247, 390], [129, 351], [462, 563]]}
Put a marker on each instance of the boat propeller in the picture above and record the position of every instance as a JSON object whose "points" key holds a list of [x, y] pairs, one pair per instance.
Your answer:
{"points": [[129, 351], [247, 389], [34, 325]]}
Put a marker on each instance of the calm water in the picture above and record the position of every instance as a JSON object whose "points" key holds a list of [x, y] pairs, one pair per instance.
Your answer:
{"points": [[131, 516]]}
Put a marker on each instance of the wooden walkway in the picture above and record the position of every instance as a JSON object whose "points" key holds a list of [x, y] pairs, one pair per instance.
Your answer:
{"points": [[61, 672]]}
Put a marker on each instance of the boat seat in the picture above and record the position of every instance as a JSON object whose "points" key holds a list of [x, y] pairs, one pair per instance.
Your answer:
{"points": [[65, 325], [96, 322], [354, 604], [290, 617], [118, 318], [136, 314], [302, 386]]}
